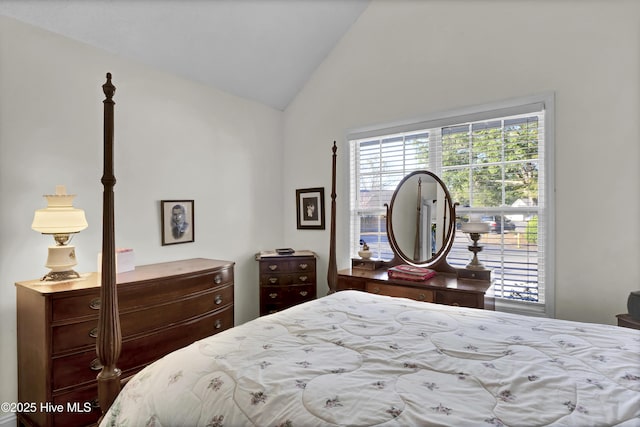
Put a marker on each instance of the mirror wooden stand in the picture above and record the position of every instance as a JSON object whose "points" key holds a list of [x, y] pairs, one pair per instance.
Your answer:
{"points": [[421, 220]]}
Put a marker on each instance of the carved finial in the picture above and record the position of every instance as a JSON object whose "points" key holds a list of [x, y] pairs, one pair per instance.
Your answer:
{"points": [[108, 88], [335, 147]]}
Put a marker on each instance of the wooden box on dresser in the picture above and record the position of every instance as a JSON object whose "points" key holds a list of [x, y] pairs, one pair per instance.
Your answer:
{"points": [[163, 307], [443, 288], [286, 280]]}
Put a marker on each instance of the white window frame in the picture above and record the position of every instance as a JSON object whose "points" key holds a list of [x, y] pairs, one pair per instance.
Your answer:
{"points": [[481, 112]]}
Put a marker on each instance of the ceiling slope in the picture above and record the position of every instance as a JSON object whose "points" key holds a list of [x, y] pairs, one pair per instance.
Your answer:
{"points": [[263, 50]]}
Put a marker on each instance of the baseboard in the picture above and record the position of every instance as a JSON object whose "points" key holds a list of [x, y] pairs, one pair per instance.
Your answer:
{"points": [[8, 420]]}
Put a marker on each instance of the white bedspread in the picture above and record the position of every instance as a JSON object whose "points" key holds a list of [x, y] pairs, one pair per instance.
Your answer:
{"points": [[358, 359]]}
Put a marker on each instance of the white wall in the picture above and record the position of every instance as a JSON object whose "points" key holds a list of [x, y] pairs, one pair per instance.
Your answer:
{"points": [[410, 59], [174, 139], [402, 59]]}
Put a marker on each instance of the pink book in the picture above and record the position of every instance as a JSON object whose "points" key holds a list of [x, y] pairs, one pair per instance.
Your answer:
{"points": [[410, 272]]}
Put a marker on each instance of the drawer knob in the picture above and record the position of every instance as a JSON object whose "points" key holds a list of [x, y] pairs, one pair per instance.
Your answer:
{"points": [[218, 324], [303, 266], [422, 297], [217, 299], [95, 365], [93, 333], [273, 295], [273, 267], [456, 304], [217, 279], [304, 293], [95, 404], [303, 278], [95, 304], [273, 280], [376, 290]]}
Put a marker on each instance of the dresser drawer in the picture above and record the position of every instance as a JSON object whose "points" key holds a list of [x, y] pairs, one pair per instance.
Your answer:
{"points": [[418, 294], [85, 407], [275, 299], [288, 279], [77, 306], [74, 336], [78, 335], [173, 312], [163, 342], [274, 266], [288, 293], [83, 367], [135, 296], [462, 299], [303, 265], [349, 282], [132, 295], [300, 265], [75, 369]]}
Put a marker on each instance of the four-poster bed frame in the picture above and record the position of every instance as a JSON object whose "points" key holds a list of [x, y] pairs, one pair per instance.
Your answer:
{"points": [[109, 339], [319, 362], [109, 342]]}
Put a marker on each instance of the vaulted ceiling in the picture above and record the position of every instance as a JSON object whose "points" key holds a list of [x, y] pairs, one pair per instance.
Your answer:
{"points": [[264, 50]]}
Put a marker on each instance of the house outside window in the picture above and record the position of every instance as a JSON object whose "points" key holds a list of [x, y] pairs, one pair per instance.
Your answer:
{"points": [[497, 163]]}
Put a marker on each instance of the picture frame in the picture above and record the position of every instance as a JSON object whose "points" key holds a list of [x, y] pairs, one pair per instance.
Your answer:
{"points": [[310, 208], [178, 221]]}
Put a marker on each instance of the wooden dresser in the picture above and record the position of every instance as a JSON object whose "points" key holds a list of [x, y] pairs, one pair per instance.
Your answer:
{"points": [[443, 288], [162, 307], [286, 280]]}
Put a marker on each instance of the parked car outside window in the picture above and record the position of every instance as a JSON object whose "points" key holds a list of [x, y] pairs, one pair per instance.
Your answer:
{"points": [[499, 224]]}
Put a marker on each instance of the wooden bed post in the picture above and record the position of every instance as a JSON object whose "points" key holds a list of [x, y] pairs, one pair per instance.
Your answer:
{"points": [[332, 273], [109, 340]]}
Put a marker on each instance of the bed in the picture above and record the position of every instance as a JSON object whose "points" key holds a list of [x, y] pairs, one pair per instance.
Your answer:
{"points": [[359, 359]]}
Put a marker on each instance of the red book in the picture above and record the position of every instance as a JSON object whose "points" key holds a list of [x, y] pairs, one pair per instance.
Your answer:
{"points": [[410, 272]]}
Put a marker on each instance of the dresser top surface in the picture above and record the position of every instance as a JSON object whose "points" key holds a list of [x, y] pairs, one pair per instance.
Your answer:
{"points": [[440, 280], [141, 273], [274, 255]]}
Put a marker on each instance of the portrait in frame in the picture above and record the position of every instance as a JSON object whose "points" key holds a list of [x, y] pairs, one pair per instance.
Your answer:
{"points": [[310, 208], [177, 221]]}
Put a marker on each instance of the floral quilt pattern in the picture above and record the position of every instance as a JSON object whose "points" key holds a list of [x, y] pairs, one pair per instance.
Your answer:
{"points": [[358, 359]]}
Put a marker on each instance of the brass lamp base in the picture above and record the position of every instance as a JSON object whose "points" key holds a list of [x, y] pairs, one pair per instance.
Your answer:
{"points": [[475, 269], [61, 260], [475, 248], [60, 276]]}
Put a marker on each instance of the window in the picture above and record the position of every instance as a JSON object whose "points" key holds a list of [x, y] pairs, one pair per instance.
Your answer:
{"points": [[497, 163]]}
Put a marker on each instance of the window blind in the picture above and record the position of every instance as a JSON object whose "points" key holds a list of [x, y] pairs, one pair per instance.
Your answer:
{"points": [[493, 161]]}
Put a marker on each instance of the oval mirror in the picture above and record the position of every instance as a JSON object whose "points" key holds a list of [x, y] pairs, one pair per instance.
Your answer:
{"points": [[421, 219]]}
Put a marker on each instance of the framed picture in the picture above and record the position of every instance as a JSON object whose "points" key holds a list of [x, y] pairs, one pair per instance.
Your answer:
{"points": [[310, 208], [177, 221]]}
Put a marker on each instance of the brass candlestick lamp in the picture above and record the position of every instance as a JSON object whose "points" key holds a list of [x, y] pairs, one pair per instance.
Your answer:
{"points": [[475, 230]]}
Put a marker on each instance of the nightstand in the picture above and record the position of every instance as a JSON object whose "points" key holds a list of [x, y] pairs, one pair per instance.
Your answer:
{"points": [[286, 279], [625, 320]]}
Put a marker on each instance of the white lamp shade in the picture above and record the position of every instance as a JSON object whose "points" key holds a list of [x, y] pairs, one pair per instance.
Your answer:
{"points": [[475, 227], [59, 220], [59, 217]]}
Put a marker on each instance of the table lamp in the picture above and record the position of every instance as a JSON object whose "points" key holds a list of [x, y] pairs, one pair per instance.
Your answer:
{"points": [[474, 230], [61, 220]]}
